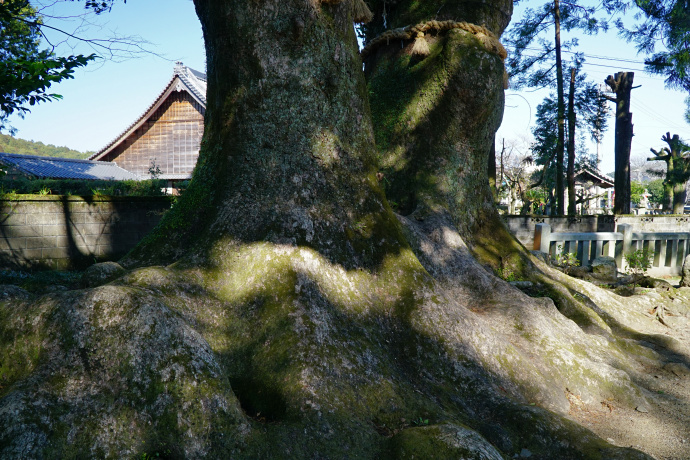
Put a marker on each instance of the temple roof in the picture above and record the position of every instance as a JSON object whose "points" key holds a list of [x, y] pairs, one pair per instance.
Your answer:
{"points": [[184, 79], [66, 168], [588, 174]]}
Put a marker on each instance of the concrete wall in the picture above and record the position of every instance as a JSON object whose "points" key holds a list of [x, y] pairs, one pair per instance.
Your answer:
{"points": [[523, 226], [62, 232]]}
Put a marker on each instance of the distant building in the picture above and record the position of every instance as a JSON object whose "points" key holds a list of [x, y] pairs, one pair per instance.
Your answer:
{"points": [[593, 191], [31, 166], [168, 134]]}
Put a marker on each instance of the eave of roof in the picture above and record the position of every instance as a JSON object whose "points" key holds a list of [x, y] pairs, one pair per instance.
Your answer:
{"points": [[183, 79], [175, 176]]}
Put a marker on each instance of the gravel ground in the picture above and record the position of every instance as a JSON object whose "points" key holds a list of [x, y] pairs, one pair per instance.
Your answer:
{"points": [[662, 428]]}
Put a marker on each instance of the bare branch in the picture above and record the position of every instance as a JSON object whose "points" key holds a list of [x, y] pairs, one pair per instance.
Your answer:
{"points": [[114, 47]]}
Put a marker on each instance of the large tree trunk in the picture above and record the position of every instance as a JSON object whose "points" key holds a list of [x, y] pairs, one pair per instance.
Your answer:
{"points": [[438, 163], [435, 117], [297, 321], [621, 83], [272, 169]]}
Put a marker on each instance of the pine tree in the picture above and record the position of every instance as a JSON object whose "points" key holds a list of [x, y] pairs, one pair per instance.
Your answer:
{"points": [[667, 22], [589, 104], [545, 68]]}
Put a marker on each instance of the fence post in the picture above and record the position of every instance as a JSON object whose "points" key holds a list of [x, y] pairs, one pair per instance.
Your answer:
{"points": [[542, 238], [626, 230]]}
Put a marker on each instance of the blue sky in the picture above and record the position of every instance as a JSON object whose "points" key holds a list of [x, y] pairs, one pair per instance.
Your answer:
{"points": [[655, 108], [105, 97], [102, 100]]}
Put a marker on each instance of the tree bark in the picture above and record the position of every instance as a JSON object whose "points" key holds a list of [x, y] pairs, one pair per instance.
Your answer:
{"points": [[492, 171], [621, 83], [571, 145], [272, 169], [560, 145], [679, 198], [435, 119], [677, 172]]}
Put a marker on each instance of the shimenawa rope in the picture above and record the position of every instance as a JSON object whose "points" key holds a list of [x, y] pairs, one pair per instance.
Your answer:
{"points": [[488, 39]]}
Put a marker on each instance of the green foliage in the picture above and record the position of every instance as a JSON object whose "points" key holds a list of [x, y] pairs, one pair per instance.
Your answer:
{"points": [[636, 190], [9, 144], [528, 68], [26, 71], [421, 422], [506, 274], [14, 186], [639, 261], [566, 260], [590, 107], [155, 184], [656, 191], [666, 22]]}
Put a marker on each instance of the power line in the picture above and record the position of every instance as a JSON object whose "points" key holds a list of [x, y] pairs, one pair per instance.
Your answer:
{"points": [[593, 56], [586, 63]]}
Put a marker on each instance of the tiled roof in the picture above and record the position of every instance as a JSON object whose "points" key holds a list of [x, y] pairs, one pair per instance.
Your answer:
{"points": [[194, 79], [66, 168], [194, 82]]}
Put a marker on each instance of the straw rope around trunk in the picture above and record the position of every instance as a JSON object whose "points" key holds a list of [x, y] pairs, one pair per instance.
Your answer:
{"points": [[417, 32]]}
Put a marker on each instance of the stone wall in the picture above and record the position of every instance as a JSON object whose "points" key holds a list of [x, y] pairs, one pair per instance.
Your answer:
{"points": [[523, 226], [61, 232]]}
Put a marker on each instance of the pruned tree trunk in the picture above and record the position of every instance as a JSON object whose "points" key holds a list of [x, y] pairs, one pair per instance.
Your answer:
{"points": [[621, 83], [677, 172]]}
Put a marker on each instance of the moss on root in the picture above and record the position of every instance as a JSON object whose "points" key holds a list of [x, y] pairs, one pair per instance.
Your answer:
{"points": [[21, 341], [297, 347]]}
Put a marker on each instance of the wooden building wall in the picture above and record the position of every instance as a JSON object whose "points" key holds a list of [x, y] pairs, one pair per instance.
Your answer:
{"points": [[171, 137]]}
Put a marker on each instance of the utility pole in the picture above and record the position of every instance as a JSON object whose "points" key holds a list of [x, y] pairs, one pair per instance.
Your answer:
{"points": [[621, 84]]}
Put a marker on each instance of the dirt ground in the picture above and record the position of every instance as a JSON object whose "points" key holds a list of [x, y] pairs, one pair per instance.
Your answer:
{"points": [[662, 427]]}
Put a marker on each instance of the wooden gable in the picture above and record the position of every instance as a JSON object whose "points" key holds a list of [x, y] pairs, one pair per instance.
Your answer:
{"points": [[587, 174], [168, 134]]}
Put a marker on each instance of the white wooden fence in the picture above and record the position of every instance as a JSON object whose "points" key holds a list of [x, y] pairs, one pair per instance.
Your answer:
{"points": [[669, 248]]}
